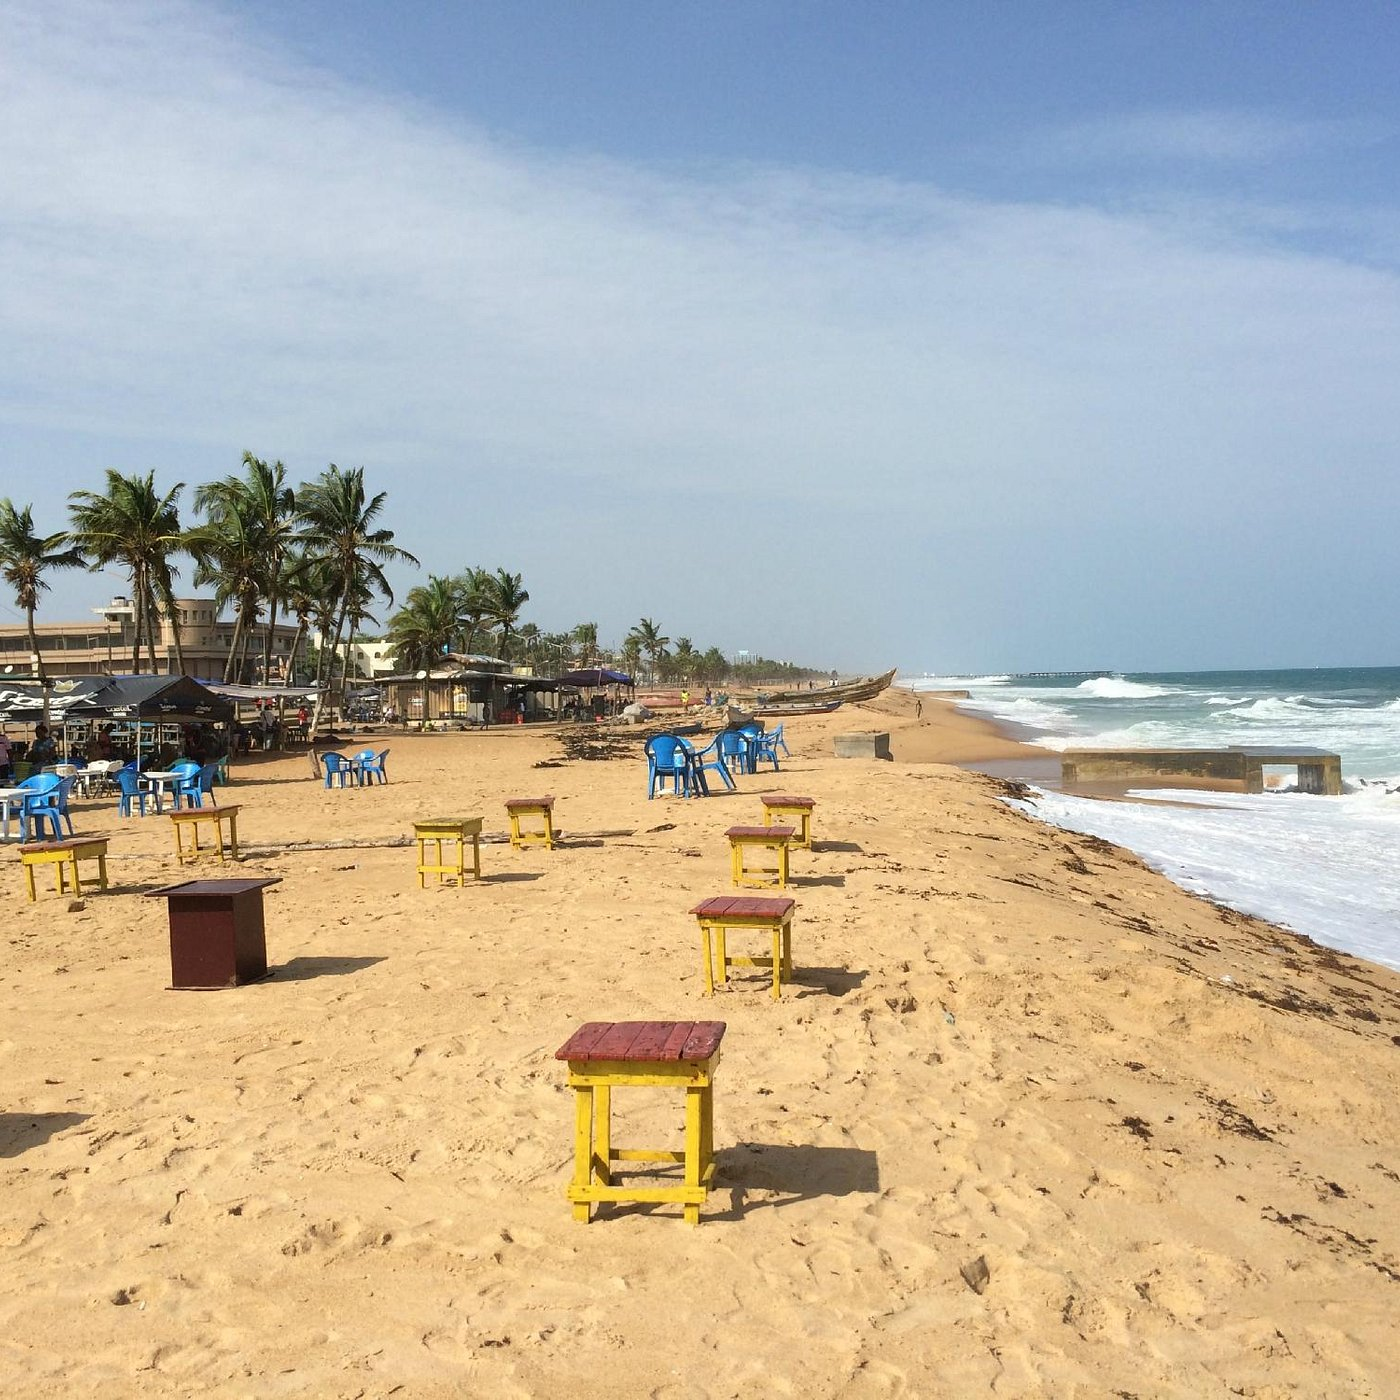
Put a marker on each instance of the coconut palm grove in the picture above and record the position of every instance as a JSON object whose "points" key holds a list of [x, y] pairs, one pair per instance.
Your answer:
{"points": [[317, 553]]}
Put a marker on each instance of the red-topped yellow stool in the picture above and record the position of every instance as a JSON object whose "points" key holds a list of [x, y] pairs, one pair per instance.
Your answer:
{"points": [[449, 829], [604, 1055], [541, 807], [64, 856], [747, 840], [727, 911], [784, 808]]}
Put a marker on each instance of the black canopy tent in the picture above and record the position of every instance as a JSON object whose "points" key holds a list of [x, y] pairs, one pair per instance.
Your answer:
{"points": [[598, 678], [595, 678], [141, 699]]}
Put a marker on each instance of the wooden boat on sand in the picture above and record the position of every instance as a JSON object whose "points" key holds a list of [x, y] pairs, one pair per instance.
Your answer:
{"points": [[866, 688], [819, 707]]}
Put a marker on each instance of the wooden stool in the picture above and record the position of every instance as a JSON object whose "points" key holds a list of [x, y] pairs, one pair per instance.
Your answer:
{"points": [[191, 820], [778, 808], [743, 839], [665, 1054], [542, 807], [728, 911], [458, 829], [61, 854]]}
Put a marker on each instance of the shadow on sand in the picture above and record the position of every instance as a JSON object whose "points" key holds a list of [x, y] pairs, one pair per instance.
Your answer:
{"points": [[834, 981], [303, 969], [21, 1131]]}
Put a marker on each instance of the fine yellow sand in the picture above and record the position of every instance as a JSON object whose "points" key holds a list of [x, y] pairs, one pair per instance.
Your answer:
{"points": [[1169, 1131]]}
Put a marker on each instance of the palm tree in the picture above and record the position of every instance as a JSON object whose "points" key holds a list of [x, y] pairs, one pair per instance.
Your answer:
{"points": [[585, 638], [427, 624], [257, 509], [338, 529], [685, 659], [713, 667], [24, 559], [506, 594], [650, 641], [307, 588], [474, 586], [134, 526], [227, 551]]}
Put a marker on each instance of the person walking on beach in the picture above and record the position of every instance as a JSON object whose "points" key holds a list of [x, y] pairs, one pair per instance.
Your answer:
{"points": [[918, 708]]}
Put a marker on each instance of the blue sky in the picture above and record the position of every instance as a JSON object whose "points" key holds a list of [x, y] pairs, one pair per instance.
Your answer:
{"points": [[971, 337]]}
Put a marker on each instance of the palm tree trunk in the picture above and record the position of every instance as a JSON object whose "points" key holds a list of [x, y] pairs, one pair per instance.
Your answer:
{"points": [[296, 647], [136, 625], [40, 674], [267, 644], [230, 663]]}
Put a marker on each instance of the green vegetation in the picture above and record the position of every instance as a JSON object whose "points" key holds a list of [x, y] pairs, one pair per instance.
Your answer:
{"points": [[317, 553]]}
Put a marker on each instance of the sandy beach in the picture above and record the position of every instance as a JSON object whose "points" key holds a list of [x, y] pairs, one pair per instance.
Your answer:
{"points": [[1169, 1131]]}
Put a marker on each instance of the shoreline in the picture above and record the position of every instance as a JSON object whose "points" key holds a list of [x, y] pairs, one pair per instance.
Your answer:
{"points": [[1165, 1128]]}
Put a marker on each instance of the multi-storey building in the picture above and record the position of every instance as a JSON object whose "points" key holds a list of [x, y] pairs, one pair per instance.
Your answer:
{"points": [[105, 645]]}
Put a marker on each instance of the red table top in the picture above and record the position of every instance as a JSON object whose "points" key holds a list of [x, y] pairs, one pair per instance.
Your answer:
{"points": [[643, 1041], [778, 800], [529, 802], [744, 905], [773, 833]]}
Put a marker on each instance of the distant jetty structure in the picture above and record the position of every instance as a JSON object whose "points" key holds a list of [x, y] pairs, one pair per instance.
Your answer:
{"points": [[1319, 771], [1063, 675]]}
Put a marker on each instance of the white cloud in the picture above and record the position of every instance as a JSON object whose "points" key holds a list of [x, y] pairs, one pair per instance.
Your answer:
{"points": [[204, 245]]}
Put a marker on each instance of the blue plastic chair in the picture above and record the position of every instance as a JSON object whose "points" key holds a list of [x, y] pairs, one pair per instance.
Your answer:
{"points": [[207, 776], [779, 742], [65, 789], [372, 765], [187, 786], [765, 746], [707, 759], [667, 757], [736, 751], [337, 766], [40, 806], [129, 784]]}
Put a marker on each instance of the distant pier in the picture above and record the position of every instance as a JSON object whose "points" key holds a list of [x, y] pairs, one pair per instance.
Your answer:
{"points": [[1063, 675], [1319, 772]]}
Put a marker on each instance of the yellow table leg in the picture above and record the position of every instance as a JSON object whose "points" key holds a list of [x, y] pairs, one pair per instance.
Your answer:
{"points": [[602, 1133], [583, 1147], [777, 962], [709, 966], [694, 1146], [232, 835], [102, 870]]}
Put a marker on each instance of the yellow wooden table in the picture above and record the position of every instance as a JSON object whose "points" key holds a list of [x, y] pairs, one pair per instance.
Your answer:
{"points": [[449, 829], [747, 840], [604, 1055], [784, 808], [190, 820], [727, 911], [64, 855], [541, 807]]}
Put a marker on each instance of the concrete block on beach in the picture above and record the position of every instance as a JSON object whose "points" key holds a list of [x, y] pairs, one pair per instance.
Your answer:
{"points": [[862, 745]]}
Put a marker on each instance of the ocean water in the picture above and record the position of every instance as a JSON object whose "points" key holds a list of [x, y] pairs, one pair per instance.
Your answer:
{"points": [[1327, 867]]}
